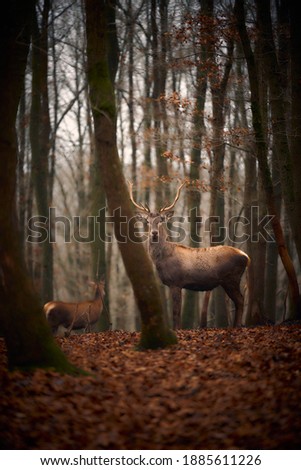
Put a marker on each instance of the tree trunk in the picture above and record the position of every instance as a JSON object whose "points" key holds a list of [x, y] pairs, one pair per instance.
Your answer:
{"points": [[28, 339], [21, 180], [251, 176], [194, 197], [295, 124], [271, 281], [217, 200], [40, 140], [98, 239], [155, 332], [159, 78], [130, 32], [255, 209], [98, 196], [277, 93]]}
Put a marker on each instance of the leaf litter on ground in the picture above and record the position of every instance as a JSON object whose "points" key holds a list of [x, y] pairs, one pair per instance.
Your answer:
{"points": [[216, 389]]}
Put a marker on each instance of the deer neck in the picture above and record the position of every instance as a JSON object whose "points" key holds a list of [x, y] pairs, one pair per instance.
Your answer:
{"points": [[98, 295], [157, 247]]}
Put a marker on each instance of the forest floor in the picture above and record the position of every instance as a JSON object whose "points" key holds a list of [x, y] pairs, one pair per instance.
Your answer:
{"points": [[216, 389]]}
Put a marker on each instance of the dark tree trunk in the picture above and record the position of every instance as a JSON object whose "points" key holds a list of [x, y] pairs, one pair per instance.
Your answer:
{"points": [[271, 284], [28, 339], [40, 140], [262, 159], [278, 109], [295, 124], [98, 196], [217, 200]]}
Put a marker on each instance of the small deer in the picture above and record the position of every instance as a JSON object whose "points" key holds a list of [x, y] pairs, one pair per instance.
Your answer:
{"points": [[198, 269], [76, 315]]}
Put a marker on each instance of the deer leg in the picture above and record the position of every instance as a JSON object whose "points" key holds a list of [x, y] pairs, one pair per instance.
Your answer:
{"points": [[235, 295], [204, 312], [68, 332], [88, 325], [176, 293]]}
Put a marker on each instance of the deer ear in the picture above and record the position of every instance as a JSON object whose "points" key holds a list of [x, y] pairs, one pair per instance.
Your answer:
{"points": [[140, 216], [169, 215]]}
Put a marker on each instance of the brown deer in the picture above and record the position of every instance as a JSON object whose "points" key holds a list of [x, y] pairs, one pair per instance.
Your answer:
{"points": [[76, 315], [198, 269]]}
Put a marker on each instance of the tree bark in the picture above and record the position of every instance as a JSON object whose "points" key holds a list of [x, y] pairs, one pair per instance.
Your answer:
{"points": [[155, 333]]}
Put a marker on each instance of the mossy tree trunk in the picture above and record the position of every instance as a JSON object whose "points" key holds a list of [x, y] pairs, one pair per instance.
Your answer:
{"points": [[28, 339], [155, 333], [98, 196]]}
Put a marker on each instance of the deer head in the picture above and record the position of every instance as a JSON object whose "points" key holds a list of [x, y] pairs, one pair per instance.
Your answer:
{"points": [[155, 219]]}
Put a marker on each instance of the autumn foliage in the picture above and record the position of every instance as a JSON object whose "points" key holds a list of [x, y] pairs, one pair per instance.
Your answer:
{"points": [[216, 389]]}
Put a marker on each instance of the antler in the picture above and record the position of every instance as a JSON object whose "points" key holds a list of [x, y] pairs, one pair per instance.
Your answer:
{"points": [[139, 206], [168, 208]]}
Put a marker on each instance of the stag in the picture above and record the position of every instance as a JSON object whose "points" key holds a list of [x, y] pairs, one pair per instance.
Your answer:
{"points": [[198, 269], [76, 315]]}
